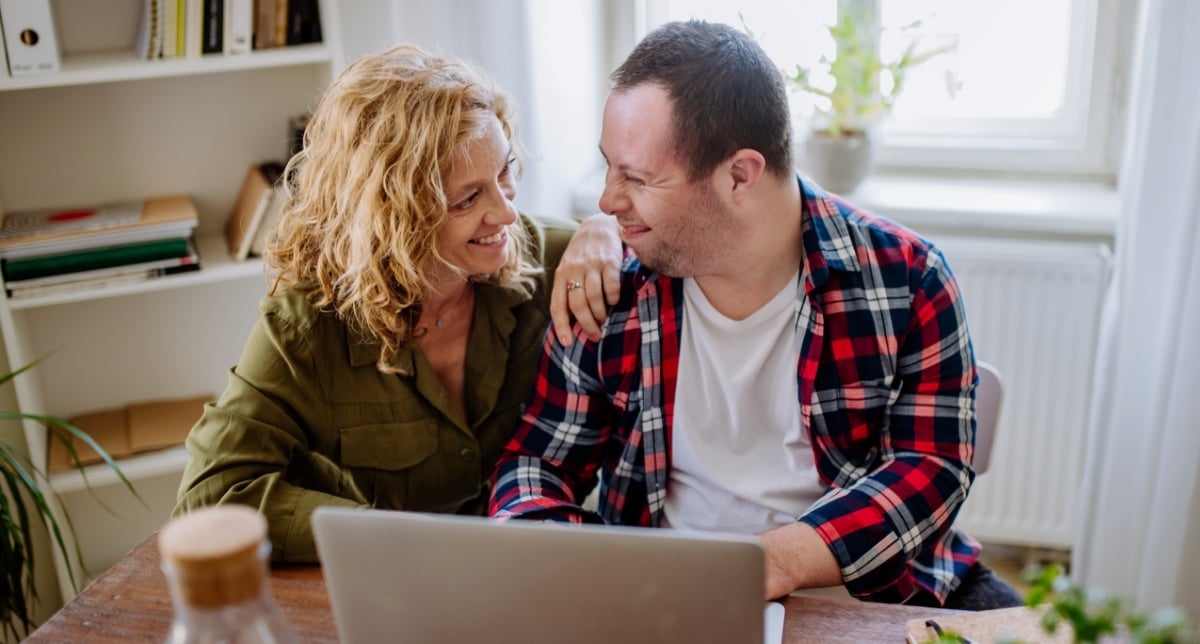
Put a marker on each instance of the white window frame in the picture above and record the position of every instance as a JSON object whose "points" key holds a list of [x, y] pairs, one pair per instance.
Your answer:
{"points": [[1094, 116]]}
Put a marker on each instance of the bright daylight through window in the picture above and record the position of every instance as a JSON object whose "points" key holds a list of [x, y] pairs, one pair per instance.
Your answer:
{"points": [[1025, 87]]}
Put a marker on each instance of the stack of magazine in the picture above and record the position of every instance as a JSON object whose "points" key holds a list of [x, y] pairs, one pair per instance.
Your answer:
{"points": [[48, 252]]}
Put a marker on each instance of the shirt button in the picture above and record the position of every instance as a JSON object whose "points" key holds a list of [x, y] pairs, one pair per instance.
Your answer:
{"points": [[467, 454]]}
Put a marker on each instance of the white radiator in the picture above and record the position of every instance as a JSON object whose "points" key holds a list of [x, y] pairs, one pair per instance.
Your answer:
{"points": [[1033, 308]]}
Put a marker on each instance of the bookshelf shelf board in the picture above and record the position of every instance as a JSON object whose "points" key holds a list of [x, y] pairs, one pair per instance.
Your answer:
{"points": [[215, 266], [135, 468], [114, 66]]}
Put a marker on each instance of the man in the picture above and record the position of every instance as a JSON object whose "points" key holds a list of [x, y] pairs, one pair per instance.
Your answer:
{"points": [[778, 362]]}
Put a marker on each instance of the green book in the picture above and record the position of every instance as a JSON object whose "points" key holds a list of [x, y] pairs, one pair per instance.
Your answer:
{"points": [[87, 260]]}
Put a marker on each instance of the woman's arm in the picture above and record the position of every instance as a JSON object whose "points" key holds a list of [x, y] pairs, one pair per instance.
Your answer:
{"points": [[587, 281], [253, 445]]}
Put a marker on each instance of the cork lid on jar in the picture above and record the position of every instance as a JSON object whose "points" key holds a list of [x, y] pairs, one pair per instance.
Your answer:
{"points": [[215, 556]]}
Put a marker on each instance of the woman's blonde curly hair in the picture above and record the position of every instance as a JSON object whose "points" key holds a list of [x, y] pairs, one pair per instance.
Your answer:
{"points": [[366, 201]]}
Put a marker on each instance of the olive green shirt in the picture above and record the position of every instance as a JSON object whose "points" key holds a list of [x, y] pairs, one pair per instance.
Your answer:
{"points": [[308, 420]]}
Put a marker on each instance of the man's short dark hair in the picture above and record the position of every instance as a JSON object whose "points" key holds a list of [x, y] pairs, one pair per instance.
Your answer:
{"points": [[726, 94]]}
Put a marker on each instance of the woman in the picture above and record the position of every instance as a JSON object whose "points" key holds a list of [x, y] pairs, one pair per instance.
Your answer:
{"points": [[391, 357]]}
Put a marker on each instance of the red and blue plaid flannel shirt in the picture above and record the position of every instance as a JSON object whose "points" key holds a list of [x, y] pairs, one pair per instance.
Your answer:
{"points": [[886, 381]]}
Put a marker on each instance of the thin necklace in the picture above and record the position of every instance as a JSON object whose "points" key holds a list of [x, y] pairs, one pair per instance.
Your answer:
{"points": [[440, 319]]}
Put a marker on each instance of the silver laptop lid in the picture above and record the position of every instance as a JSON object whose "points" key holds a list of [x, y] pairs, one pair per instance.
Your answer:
{"points": [[409, 577]]}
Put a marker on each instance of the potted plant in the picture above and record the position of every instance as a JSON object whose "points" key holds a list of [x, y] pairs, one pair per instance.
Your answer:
{"points": [[1093, 615], [839, 146], [22, 500], [1087, 615]]}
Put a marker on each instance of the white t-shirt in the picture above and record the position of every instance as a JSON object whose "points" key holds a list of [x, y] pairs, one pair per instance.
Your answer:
{"points": [[740, 458]]}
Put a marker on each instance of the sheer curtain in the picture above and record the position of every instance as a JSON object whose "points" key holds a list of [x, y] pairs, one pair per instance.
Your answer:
{"points": [[547, 54], [1140, 528]]}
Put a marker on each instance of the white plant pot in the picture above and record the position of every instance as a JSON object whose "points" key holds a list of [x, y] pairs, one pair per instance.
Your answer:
{"points": [[838, 164]]}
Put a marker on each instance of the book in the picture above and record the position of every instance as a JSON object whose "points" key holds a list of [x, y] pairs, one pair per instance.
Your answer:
{"points": [[24, 224], [297, 124], [152, 30], [250, 209], [193, 28], [170, 35], [30, 40], [143, 38], [92, 259], [95, 283], [40, 233], [191, 258], [105, 238], [304, 22], [264, 24], [214, 27], [311, 28], [239, 26], [281, 23], [267, 226], [985, 626], [160, 37], [180, 27]]}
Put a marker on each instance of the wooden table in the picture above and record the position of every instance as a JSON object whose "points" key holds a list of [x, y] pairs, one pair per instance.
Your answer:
{"points": [[130, 603]]}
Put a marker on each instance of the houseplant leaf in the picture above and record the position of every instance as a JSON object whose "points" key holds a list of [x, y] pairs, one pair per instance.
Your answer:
{"points": [[20, 482]]}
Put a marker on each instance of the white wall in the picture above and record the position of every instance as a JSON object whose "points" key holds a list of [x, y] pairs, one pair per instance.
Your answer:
{"points": [[554, 73]]}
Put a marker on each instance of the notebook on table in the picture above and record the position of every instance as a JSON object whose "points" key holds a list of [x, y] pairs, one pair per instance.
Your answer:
{"points": [[412, 577]]}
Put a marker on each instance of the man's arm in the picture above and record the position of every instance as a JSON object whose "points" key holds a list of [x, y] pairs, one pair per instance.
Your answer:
{"points": [[881, 522], [551, 463], [797, 557]]}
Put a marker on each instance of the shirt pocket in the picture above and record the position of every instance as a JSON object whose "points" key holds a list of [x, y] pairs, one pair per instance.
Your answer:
{"points": [[389, 446], [380, 457]]}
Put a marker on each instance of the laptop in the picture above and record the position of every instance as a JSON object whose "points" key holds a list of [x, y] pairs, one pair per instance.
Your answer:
{"points": [[413, 577]]}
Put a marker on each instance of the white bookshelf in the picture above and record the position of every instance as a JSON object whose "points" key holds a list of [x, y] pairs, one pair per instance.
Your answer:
{"points": [[110, 127]]}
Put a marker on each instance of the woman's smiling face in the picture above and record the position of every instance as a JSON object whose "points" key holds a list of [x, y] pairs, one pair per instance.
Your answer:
{"points": [[480, 188]]}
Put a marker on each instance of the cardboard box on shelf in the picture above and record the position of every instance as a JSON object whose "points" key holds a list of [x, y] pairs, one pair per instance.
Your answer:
{"points": [[134, 429]]}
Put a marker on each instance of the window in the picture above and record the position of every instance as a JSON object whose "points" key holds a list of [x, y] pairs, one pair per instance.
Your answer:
{"points": [[1028, 86]]}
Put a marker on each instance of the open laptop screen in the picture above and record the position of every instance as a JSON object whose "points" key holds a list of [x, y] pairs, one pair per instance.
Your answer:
{"points": [[400, 576]]}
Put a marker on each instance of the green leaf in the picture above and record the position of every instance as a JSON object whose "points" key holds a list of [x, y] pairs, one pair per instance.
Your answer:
{"points": [[27, 484], [1050, 621], [16, 549], [1093, 613], [857, 99], [9, 376], [20, 482]]}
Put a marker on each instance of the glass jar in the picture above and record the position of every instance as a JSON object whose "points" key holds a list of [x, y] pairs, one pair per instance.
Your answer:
{"points": [[215, 561]]}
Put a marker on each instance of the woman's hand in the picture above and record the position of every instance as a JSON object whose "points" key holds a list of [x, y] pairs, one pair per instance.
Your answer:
{"points": [[588, 278]]}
